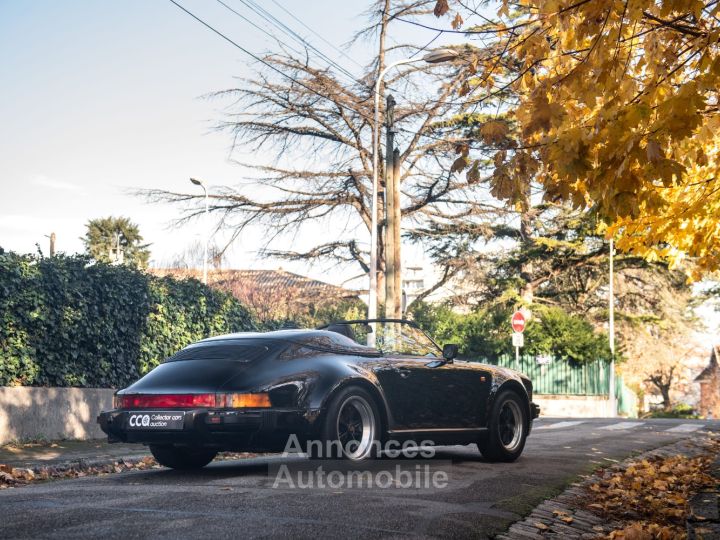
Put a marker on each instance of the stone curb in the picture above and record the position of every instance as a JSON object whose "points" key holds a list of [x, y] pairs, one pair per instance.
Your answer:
{"points": [[83, 464], [704, 521], [543, 523]]}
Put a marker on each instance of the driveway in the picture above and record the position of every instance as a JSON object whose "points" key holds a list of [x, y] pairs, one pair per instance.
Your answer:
{"points": [[232, 499]]}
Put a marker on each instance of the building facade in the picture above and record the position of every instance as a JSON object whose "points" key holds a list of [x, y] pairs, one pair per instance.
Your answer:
{"points": [[709, 380]]}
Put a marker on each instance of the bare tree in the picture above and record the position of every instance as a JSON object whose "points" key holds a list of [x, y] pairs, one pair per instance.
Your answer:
{"points": [[314, 130], [192, 257]]}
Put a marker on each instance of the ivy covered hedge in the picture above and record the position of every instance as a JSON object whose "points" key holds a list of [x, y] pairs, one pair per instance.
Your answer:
{"points": [[68, 321]]}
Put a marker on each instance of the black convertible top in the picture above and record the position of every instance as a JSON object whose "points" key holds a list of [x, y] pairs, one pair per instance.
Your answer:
{"points": [[320, 340]]}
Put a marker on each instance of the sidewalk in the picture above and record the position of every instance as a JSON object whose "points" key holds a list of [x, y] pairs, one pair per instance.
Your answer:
{"points": [[577, 514], [62, 454]]}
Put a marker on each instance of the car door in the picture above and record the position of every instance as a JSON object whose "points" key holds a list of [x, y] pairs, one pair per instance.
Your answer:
{"points": [[456, 393], [425, 393], [406, 391]]}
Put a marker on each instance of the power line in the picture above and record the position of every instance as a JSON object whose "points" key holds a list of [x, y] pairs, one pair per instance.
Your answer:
{"points": [[269, 17], [413, 55], [318, 35], [277, 70], [243, 49], [263, 61], [269, 34], [489, 31]]}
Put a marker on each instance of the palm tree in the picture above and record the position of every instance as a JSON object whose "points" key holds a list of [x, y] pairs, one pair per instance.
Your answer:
{"points": [[116, 240]]}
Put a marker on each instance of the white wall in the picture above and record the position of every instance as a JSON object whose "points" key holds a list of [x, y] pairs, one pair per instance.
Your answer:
{"points": [[572, 406], [52, 413]]}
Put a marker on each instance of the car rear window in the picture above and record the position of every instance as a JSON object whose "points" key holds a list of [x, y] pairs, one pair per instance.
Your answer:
{"points": [[221, 350]]}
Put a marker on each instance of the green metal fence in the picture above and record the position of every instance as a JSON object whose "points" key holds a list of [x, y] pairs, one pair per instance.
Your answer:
{"points": [[560, 378]]}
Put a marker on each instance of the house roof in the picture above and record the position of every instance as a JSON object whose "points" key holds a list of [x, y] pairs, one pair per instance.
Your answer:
{"points": [[712, 366], [269, 281]]}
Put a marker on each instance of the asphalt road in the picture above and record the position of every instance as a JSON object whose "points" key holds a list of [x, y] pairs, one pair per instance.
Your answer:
{"points": [[236, 499]]}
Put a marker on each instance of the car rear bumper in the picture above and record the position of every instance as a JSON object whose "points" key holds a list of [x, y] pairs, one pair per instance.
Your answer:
{"points": [[534, 411], [231, 430]]}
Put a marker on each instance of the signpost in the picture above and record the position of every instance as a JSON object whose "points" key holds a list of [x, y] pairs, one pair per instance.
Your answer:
{"points": [[543, 359], [517, 321]]}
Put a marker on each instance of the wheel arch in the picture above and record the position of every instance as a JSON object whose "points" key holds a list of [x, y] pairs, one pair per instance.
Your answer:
{"points": [[369, 387], [519, 389]]}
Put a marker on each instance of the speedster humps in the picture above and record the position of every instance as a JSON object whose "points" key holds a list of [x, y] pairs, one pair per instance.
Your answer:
{"points": [[361, 385]]}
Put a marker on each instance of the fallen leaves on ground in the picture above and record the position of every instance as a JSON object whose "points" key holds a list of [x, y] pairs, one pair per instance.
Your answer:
{"points": [[651, 495], [18, 476], [642, 530], [11, 477]]}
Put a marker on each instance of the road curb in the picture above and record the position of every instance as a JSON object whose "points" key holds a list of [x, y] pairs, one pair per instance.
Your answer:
{"points": [[82, 465], [546, 520], [57, 470], [704, 521]]}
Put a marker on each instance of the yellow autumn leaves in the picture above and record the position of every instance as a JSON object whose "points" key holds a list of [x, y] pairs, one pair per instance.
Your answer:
{"points": [[617, 108], [653, 494]]}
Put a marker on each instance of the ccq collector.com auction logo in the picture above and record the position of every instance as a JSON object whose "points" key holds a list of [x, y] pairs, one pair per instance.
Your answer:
{"points": [[139, 420]]}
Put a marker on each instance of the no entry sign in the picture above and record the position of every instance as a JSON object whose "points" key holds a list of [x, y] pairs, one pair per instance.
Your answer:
{"points": [[518, 322]]}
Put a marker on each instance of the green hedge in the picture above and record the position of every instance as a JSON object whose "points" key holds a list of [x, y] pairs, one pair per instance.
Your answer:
{"points": [[486, 333], [68, 321]]}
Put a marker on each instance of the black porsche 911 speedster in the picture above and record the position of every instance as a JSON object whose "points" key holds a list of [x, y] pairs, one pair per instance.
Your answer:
{"points": [[254, 391]]}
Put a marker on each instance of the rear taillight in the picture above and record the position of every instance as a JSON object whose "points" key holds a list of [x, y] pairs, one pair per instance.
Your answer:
{"points": [[168, 401], [191, 401], [251, 401]]}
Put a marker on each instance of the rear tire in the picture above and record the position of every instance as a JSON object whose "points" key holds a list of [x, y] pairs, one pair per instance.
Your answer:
{"points": [[351, 428], [182, 458], [507, 429]]}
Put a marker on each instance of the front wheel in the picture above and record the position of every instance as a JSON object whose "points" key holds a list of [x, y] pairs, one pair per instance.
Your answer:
{"points": [[182, 458], [507, 429]]}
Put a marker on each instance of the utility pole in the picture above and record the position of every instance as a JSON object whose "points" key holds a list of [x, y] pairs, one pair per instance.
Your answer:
{"points": [[390, 263], [117, 255], [207, 230], [437, 56], [394, 231]]}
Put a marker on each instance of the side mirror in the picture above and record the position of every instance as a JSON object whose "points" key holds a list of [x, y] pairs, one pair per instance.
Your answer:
{"points": [[450, 351]]}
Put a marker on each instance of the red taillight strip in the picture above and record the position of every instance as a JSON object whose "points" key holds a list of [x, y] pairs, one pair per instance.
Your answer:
{"points": [[168, 401]]}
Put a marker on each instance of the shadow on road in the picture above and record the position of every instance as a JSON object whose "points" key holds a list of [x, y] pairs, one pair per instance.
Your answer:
{"points": [[259, 466]]}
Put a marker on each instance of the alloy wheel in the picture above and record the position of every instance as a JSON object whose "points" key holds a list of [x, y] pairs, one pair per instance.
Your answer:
{"points": [[356, 428]]}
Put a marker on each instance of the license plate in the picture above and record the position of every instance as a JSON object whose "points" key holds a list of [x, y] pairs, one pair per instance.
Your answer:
{"points": [[156, 420]]}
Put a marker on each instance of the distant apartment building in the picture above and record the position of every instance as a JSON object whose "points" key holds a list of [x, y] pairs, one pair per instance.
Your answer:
{"points": [[413, 283]]}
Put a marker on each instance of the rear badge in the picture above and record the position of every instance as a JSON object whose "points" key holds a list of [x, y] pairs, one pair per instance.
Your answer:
{"points": [[161, 420]]}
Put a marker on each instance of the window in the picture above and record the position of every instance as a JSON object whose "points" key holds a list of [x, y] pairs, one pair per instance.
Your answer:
{"points": [[234, 350], [398, 338]]}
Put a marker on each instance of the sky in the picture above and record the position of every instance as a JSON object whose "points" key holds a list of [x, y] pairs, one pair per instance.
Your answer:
{"points": [[101, 98]]}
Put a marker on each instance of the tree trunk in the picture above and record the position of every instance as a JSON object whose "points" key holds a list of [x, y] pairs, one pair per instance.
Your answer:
{"points": [[526, 240], [665, 392]]}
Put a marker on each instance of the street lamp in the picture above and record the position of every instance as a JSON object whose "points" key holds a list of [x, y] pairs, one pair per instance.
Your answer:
{"points": [[205, 248], [437, 56]]}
